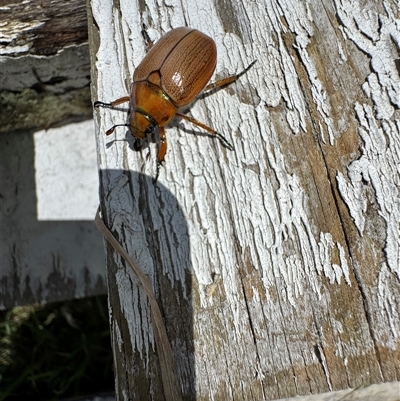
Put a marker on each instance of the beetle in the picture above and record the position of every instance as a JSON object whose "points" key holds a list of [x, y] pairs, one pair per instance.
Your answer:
{"points": [[172, 74]]}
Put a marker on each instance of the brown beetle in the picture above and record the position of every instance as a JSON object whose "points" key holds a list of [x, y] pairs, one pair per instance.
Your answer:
{"points": [[175, 70]]}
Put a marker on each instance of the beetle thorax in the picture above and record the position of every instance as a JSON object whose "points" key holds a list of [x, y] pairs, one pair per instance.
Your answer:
{"points": [[149, 105]]}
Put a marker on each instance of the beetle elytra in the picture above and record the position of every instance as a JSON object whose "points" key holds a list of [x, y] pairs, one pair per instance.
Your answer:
{"points": [[174, 71]]}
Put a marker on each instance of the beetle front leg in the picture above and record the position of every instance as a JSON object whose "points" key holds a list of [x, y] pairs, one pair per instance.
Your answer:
{"points": [[111, 105], [116, 102], [162, 150]]}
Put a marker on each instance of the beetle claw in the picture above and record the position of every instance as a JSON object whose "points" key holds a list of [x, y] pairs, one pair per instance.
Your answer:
{"points": [[224, 141], [159, 164]]}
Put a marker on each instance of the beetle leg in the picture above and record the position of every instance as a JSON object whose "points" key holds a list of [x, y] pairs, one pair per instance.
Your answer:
{"points": [[116, 102], [207, 128], [162, 150], [138, 144], [124, 99], [228, 80], [146, 37]]}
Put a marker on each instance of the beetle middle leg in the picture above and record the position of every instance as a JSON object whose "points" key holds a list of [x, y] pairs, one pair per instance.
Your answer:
{"points": [[207, 128], [146, 37], [228, 80]]}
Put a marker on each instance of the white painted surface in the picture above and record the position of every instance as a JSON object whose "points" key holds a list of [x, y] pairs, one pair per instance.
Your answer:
{"points": [[379, 164], [263, 220], [66, 172]]}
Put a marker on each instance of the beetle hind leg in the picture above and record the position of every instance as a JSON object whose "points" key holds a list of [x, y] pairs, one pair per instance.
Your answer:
{"points": [[228, 80], [209, 129]]}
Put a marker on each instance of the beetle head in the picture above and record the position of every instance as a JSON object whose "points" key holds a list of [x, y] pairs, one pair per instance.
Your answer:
{"points": [[141, 124]]}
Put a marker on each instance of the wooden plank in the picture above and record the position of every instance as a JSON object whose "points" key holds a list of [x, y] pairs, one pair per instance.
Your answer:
{"points": [[41, 27], [44, 80], [276, 265], [383, 391], [45, 67]]}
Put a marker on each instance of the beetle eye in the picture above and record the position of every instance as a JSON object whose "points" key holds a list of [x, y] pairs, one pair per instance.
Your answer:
{"points": [[149, 129]]}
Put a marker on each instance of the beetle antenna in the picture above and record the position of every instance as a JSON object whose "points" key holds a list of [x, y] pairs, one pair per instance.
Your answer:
{"points": [[111, 130]]}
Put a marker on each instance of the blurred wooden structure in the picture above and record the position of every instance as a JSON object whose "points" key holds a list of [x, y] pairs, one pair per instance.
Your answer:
{"points": [[44, 81]]}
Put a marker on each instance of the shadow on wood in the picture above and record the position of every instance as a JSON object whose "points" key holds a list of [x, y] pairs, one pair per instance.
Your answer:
{"points": [[144, 228]]}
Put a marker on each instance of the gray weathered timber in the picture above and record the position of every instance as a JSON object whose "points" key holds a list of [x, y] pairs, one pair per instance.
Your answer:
{"points": [[50, 249], [276, 265], [44, 58], [44, 80]]}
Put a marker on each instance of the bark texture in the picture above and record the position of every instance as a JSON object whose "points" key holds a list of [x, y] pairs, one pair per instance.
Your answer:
{"points": [[277, 266]]}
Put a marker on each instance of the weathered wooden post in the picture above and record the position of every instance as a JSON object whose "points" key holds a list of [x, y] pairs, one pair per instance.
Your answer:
{"points": [[277, 265]]}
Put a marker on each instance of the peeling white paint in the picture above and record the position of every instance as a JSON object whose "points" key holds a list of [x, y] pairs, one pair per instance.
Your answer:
{"points": [[379, 163], [373, 90], [353, 194], [244, 212], [388, 304], [14, 49], [373, 34], [344, 267], [373, 179], [285, 214], [377, 167], [11, 31]]}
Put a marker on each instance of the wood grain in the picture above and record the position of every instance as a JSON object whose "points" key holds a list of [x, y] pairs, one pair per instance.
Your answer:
{"points": [[276, 265], [45, 67]]}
